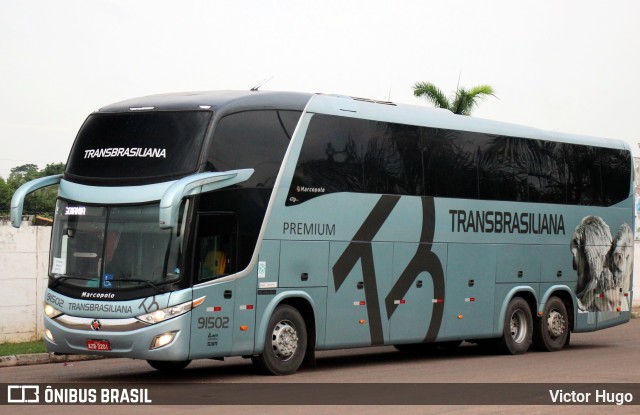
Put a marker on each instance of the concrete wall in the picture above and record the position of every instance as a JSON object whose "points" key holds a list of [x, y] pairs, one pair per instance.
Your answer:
{"points": [[24, 258]]}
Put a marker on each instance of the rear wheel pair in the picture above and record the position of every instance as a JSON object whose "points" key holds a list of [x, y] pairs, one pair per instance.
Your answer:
{"points": [[550, 332]]}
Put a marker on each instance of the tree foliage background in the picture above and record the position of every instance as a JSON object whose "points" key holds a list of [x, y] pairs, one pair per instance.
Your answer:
{"points": [[40, 202], [463, 102]]}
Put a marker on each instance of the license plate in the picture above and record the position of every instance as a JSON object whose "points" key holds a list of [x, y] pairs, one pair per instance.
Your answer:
{"points": [[99, 345]]}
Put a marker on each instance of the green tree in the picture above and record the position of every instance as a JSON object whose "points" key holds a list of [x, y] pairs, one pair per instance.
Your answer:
{"points": [[463, 102], [51, 169], [22, 174]]}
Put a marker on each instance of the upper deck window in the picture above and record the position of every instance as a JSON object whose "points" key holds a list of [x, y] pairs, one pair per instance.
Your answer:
{"points": [[342, 154], [144, 147], [253, 139]]}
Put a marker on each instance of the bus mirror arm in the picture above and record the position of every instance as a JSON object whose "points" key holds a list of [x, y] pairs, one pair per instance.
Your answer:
{"points": [[193, 185], [17, 201]]}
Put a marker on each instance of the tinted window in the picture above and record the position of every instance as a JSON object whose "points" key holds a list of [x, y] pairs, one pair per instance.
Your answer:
{"points": [[391, 159], [502, 166], [583, 179], [331, 158], [450, 164], [615, 168], [252, 139], [547, 172], [140, 146], [410, 143], [215, 245], [247, 206], [352, 155]]}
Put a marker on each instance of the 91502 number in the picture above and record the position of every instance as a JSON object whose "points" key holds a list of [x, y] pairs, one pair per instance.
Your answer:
{"points": [[213, 322]]}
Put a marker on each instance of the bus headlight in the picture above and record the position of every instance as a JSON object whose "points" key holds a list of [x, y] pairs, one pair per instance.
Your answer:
{"points": [[51, 311], [170, 312]]}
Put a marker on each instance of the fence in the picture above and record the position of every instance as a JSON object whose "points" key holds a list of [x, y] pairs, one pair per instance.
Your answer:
{"points": [[24, 259]]}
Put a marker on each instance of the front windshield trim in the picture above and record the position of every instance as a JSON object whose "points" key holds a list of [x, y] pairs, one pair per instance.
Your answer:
{"points": [[85, 238]]}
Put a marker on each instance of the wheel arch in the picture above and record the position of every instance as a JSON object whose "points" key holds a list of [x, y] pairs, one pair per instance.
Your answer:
{"points": [[299, 300], [564, 294], [525, 292]]}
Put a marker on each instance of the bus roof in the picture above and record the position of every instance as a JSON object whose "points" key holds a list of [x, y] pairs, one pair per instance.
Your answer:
{"points": [[234, 101], [441, 118], [214, 100]]}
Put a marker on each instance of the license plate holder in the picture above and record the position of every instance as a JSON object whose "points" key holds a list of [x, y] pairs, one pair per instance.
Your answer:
{"points": [[98, 345]]}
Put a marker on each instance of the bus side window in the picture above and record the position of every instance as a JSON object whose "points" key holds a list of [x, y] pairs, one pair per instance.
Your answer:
{"points": [[216, 245]]}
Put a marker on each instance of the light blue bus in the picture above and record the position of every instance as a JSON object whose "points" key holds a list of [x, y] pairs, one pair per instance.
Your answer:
{"points": [[271, 225]]}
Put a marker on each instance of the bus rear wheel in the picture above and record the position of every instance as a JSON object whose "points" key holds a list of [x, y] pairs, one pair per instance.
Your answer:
{"points": [[552, 329], [285, 342], [168, 366], [518, 327]]}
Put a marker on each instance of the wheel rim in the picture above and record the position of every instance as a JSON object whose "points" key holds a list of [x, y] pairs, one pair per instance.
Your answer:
{"points": [[555, 324], [518, 326], [284, 340]]}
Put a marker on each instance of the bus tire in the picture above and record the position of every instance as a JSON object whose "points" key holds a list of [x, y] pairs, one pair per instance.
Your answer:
{"points": [[285, 342], [518, 327], [169, 365], [552, 329]]}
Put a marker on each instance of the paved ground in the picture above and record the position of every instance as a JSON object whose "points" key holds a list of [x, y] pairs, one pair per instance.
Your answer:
{"points": [[601, 359]]}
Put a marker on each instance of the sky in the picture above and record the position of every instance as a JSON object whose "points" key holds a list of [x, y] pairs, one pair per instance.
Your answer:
{"points": [[560, 65]]}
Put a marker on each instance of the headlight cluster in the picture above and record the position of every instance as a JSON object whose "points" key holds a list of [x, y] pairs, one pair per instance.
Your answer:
{"points": [[170, 312], [51, 311]]}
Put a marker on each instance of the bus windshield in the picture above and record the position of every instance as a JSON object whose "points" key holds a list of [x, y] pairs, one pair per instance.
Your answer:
{"points": [[113, 247]]}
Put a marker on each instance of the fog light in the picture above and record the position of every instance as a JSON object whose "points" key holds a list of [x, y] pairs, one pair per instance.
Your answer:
{"points": [[49, 336], [162, 340]]}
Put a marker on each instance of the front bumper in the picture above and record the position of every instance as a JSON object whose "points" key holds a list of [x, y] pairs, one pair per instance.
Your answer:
{"points": [[129, 337]]}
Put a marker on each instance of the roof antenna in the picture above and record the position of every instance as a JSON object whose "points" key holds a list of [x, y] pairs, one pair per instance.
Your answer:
{"points": [[255, 88]]}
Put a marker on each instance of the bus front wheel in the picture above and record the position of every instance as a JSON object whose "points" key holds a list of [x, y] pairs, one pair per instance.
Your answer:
{"points": [[285, 342], [518, 327]]}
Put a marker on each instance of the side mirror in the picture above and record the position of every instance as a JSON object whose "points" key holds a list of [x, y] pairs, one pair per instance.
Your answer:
{"points": [[193, 185], [17, 201]]}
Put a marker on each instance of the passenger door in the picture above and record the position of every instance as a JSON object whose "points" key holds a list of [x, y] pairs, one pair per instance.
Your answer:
{"points": [[214, 258]]}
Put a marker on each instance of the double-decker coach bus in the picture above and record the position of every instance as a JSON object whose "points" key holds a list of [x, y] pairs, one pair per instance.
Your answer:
{"points": [[270, 225]]}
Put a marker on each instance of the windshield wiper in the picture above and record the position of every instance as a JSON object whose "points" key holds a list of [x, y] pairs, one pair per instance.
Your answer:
{"points": [[146, 282], [59, 279]]}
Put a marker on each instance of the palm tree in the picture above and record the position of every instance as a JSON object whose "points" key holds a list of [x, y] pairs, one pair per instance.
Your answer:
{"points": [[462, 103]]}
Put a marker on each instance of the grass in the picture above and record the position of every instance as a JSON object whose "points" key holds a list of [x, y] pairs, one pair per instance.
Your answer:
{"points": [[9, 349]]}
